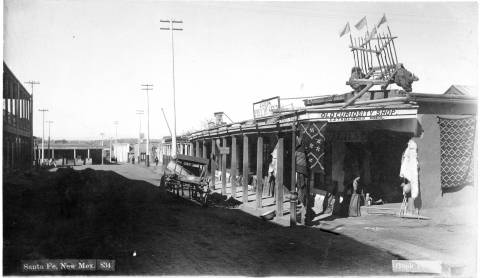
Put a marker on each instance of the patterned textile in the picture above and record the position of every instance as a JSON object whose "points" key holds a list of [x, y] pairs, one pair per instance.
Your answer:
{"points": [[314, 142], [301, 158], [457, 137]]}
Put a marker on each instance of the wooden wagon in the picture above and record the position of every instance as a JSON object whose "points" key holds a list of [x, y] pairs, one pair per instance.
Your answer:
{"points": [[187, 175]]}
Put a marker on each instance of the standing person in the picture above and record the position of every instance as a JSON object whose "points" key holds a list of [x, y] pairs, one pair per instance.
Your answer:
{"points": [[156, 160], [271, 177], [354, 208], [133, 159]]}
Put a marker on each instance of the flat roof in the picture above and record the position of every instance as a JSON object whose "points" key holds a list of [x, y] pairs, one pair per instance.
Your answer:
{"points": [[73, 146]]}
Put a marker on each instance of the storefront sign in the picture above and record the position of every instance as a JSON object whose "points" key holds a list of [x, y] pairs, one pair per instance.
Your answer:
{"points": [[348, 115], [265, 107], [224, 150]]}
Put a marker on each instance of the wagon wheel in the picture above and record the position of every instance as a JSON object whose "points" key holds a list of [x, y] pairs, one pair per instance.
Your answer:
{"points": [[206, 200], [168, 184]]}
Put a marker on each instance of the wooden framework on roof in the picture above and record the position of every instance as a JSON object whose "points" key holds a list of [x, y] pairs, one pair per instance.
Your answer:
{"points": [[369, 71], [381, 67]]}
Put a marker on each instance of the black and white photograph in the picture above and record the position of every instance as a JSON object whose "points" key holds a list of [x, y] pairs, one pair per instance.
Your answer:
{"points": [[240, 138]]}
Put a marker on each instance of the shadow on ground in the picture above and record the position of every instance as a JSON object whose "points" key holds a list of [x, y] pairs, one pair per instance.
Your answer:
{"points": [[102, 215]]}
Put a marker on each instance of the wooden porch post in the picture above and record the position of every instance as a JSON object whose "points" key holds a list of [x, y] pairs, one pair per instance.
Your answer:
{"points": [[224, 168], [293, 194], [204, 150], [197, 148], [245, 170], [259, 171], [279, 177], [233, 168], [212, 164], [294, 161]]}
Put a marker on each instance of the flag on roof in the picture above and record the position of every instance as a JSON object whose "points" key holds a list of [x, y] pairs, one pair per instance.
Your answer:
{"points": [[372, 33], [362, 23], [382, 20], [345, 30]]}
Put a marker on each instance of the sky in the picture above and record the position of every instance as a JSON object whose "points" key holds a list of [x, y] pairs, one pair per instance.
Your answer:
{"points": [[92, 56]]}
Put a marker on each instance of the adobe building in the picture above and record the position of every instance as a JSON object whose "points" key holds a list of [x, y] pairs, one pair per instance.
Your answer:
{"points": [[71, 154], [184, 147], [366, 138]]}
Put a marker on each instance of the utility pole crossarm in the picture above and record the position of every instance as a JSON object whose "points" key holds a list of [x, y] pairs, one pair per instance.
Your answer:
{"points": [[32, 82]]}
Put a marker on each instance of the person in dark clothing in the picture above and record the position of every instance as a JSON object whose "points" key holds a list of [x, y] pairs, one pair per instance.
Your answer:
{"points": [[354, 209]]}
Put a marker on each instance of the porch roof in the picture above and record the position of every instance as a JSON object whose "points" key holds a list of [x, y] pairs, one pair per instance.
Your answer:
{"points": [[283, 121]]}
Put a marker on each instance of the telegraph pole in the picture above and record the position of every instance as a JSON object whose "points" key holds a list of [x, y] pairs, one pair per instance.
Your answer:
{"points": [[43, 131], [169, 130], [171, 29], [148, 87], [49, 153], [115, 123], [101, 135], [139, 113], [116, 130], [32, 83], [111, 149]]}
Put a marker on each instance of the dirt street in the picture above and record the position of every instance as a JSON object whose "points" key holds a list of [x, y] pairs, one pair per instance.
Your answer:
{"points": [[125, 218]]}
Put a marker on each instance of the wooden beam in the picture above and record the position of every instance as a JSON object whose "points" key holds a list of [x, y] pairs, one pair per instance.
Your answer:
{"points": [[224, 169], [366, 82], [363, 49], [279, 177], [361, 93], [384, 44], [233, 168], [204, 149], [259, 171], [197, 148], [213, 165], [294, 161], [245, 170]]}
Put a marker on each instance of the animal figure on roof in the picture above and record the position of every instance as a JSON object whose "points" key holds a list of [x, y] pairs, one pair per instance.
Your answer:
{"points": [[356, 74], [404, 78]]}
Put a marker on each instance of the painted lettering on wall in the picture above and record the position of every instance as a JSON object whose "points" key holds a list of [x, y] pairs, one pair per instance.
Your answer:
{"points": [[358, 115], [265, 107]]}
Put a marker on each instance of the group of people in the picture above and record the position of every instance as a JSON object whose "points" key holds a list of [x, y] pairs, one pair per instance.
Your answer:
{"points": [[343, 204], [132, 159]]}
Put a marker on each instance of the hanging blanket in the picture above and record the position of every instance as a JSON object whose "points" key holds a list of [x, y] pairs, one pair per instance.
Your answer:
{"points": [[457, 138], [301, 158], [313, 140]]}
